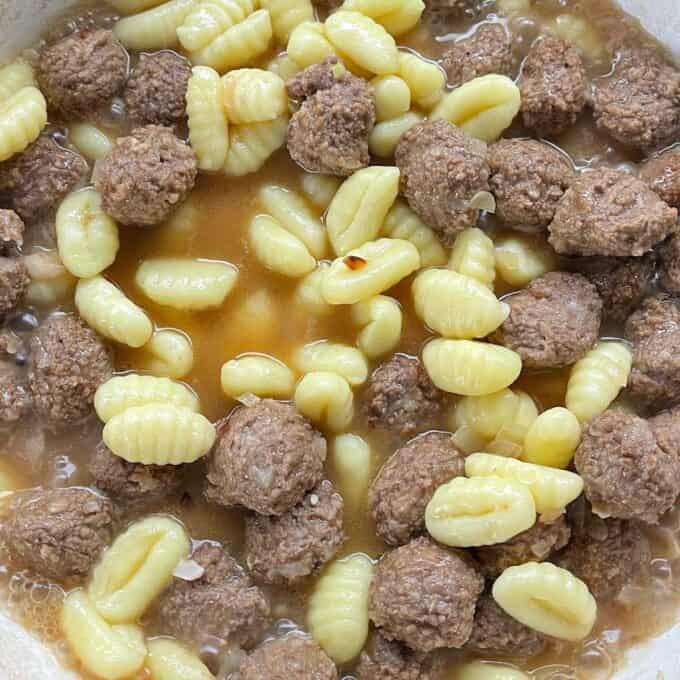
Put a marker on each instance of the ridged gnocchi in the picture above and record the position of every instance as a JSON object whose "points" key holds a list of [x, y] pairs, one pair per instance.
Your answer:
{"points": [[489, 670], [22, 118], [473, 255], [159, 434], [333, 357], [14, 77], [309, 45], [251, 145], [473, 512], [91, 141], [284, 67], [425, 78], [521, 259], [257, 374], [287, 15], [381, 322], [385, 136], [208, 19], [396, 16], [155, 28], [548, 599], [552, 438], [352, 463], [279, 250], [253, 95], [320, 189], [391, 95], [169, 354], [51, 283], [337, 613], [325, 398], [309, 294], [171, 660]]}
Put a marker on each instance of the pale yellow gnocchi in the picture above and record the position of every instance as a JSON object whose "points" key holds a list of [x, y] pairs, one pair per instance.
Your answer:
{"points": [[154, 28], [309, 45], [425, 78], [251, 145], [257, 374], [208, 19], [308, 293], [170, 660], [489, 670], [320, 189], [392, 97], [286, 15], [521, 259], [333, 357], [381, 322], [325, 398], [385, 136], [253, 95], [22, 117], [552, 438], [352, 460], [169, 354], [473, 255]]}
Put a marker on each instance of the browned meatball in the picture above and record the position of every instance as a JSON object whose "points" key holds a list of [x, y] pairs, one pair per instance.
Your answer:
{"points": [[657, 314], [442, 168], [533, 545], [11, 233], [329, 132], [666, 429], [146, 176], [425, 596], [608, 212], [669, 259], [57, 533], [15, 398], [223, 603], [69, 363], [407, 481], [133, 482], [80, 73], [267, 457], [156, 91], [662, 173], [286, 548], [554, 321], [487, 50], [39, 177], [528, 178], [553, 86], [292, 656], [625, 473], [401, 398], [440, 13], [321, 76], [495, 632], [14, 281], [621, 282], [384, 659], [639, 104]]}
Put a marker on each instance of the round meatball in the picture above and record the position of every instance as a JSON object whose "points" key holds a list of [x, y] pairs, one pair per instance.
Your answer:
{"points": [[70, 362], [487, 50], [425, 596], [401, 398], [267, 457], [495, 632], [38, 178], [389, 660], [669, 258], [291, 656], [554, 321], [639, 104], [442, 168], [133, 482], [286, 548], [608, 212], [156, 91], [81, 72], [666, 429], [553, 87], [11, 233], [657, 314], [626, 474], [407, 481], [528, 178], [536, 544], [14, 281], [146, 176], [223, 603], [321, 76], [57, 533], [15, 398], [662, 173], [621, 282]]}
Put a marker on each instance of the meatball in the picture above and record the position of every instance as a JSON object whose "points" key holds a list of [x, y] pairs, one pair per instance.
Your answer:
{"points": [[57, 533], [133, 482], [401, 398], [11, 233], [15, 398], [69, 363], [292, 656], [554, 321], [223, 603], [553, 87], [39, 177], [79, 74], [487, 50], [407, 481], [329, 132], [621, 282], [425, 596], [669, 259], [662, 173], [321, 76], [608, 212], [286, 548], [267, 457], [156, 91], [146, 176], [606, 554], [657, 314], [639, 104], [626, 474], [528, 178], [442, 168], [666, 429], [533, 545], [495, 632], [14, 281], [384, 659], [440, 13]]}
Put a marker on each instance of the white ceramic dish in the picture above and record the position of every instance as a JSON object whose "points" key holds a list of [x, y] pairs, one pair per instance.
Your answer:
{"points": [[21, 656]]}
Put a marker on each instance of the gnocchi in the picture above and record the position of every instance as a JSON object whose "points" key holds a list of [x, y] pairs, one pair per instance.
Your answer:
{"points": [[308, 293], [309, 45], [352, 462], [252, 95], [548, 599], [287, 15], [155, 28], [396, 16], [470, 368], [473, 512], [169, 354], [337, 614], [257, 374], [170, 660], [333, 357], [359, 207], [473, 255], [485, 670], [385, 136], [51, 283], [284, 67], [381, 320], [279, 250], [187, 285], [159, 434], [552, 438], [22, 118], [325, 398], [14, 77], [320, 189], [251, 145], [392, 97], [521, 259], [208, 19], [92, 142], [577, 31], [425, 79]]}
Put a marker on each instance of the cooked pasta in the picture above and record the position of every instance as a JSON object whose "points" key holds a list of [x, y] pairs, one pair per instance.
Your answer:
{"points": [[92, 142], [287, 15], [489, 670], [182, 225], [320, 189], [385, 136], [251, 145], [396, 17], [352, 463], [22, 117], [309, 293], [325, 398], [392, 97], [359, 207], [155, 28], [284, 67], [257, 374], [425, 78], [252, 95], [521, 259], [159, 434], [584, 35], [309, 45], [552, 438], [169, 354], [337, 613], [473, 255], [208, 19], [208, 125], [333, 357], [14, 77], [171, 660], [51, 283], [381, 320]]}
